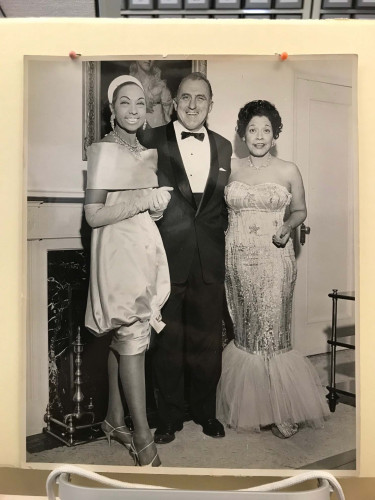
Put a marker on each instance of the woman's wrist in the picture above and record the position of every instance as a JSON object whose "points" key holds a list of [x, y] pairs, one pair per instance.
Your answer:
{"points": [[287, 226]]}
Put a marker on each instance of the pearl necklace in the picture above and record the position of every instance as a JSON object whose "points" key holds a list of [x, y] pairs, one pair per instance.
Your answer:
{"points": [[135, 150], [263, 165]]}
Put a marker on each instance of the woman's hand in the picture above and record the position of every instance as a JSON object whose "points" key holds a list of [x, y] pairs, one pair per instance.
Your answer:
{"points": [[297, 207], [282, 236], [159, 198]]}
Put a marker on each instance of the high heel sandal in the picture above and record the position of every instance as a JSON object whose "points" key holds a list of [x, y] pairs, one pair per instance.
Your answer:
{"points": [[284, 430], [111, 435], [138, 452]]}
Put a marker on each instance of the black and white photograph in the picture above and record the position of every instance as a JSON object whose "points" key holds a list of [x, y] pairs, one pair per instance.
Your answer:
{"points": [[192, 248]]}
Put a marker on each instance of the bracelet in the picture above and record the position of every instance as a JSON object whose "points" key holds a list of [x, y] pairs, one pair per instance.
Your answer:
{"points": [[290, 226]]}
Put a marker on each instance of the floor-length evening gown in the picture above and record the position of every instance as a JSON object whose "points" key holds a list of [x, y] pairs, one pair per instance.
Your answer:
{"points": [[264, 381]]}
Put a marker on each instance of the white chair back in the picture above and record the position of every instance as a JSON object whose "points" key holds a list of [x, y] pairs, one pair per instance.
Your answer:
{"points": [[116, 490]]}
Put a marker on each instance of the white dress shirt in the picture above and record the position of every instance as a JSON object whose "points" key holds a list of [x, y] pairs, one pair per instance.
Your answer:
{"points": [[196, 156]]}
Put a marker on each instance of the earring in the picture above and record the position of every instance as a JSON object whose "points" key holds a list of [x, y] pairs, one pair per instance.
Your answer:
{"points": [[112, 120], [144, 125], [273, 143], [243, 138]]}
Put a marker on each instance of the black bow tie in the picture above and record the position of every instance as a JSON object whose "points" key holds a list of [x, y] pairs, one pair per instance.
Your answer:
{"points": [[197, 135]]}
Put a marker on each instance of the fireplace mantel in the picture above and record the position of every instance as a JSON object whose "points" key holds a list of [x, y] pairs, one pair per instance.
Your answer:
{"points": [[50, 226], [54, 220]]}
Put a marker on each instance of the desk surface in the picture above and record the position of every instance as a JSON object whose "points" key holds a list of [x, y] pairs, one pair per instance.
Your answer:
{"points": [[20, 497]]}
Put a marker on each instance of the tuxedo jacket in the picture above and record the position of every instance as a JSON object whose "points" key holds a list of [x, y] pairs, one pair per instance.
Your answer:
{"points": [[186, 227]]}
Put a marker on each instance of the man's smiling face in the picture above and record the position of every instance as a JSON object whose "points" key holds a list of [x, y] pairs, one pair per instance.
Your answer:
{"points": [[193, 103]]}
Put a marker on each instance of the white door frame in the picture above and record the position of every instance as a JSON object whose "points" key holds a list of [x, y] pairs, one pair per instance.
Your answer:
{"points": [[346, 312]]}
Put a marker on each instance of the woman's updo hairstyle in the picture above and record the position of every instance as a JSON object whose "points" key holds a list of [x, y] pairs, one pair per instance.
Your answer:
{"points": [[259, 108]]}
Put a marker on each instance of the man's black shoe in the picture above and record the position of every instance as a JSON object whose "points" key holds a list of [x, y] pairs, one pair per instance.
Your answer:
{"points": [[165, 433], [213, 428]]}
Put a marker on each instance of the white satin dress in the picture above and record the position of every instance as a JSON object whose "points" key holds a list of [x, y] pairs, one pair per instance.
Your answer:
{"points": [[129, 277]]}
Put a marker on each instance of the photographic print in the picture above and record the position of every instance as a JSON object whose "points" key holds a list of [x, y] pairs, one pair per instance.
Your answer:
{"points": [[192, 243]]}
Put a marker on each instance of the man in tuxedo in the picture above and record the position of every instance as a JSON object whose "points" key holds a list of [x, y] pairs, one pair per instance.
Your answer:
{"points": [[196, 162]]}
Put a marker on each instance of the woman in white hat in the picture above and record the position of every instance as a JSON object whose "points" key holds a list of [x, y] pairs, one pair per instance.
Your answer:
{"points": [[129, 278]]}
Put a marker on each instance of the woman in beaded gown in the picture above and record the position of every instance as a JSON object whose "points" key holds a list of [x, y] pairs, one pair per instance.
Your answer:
{"points": [[264, 382], [129, 277]]}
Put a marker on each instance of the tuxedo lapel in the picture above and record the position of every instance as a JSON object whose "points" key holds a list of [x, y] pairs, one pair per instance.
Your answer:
{"points": [[213, 174], [178, 168]]}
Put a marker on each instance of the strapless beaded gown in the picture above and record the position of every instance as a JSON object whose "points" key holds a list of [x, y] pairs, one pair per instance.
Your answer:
{"points": [[263, 381]]}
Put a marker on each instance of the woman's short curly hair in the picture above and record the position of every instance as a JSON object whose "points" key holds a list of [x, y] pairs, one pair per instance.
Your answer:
{"points": [[259, 108]]}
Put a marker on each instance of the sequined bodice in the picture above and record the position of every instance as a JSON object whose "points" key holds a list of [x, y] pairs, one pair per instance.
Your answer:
{"points": [[268, 196], [259, 276], [256, 211]]}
